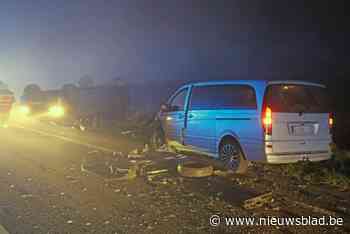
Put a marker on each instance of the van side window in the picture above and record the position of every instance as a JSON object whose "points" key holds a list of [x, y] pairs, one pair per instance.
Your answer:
{"points": [[223, 97], [178, 102]]}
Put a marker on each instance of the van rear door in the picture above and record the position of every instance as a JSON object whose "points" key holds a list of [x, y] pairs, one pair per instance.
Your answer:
{"points": [[300, 118]]}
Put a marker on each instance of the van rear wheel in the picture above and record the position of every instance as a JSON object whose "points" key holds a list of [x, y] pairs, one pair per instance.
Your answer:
{"points": [[232, 157]]}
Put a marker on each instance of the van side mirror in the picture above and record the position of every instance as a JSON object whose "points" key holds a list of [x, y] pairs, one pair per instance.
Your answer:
{"points": [[165, 107]]}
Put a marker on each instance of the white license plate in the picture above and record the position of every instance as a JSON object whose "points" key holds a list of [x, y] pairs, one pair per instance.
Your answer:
{"points": [[302, 130]]}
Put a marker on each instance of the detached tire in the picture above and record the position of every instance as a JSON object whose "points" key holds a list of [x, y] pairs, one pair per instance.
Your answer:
{"points": [[232, 157], [195, 170]]}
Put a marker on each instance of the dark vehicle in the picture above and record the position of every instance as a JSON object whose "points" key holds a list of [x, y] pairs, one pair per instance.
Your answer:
{"points": [[93, 106], [89, 107], [38, 102]]}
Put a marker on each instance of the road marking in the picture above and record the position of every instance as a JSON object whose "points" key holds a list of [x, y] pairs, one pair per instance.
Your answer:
{"points": [[3, 230], [63, 138]]}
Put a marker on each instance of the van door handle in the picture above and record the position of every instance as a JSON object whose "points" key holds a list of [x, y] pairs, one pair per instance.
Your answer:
{"points": [[190, 116], [180, 116]]}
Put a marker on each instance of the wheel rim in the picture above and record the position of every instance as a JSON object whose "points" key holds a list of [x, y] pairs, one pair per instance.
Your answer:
{"points": [[230, 155]]}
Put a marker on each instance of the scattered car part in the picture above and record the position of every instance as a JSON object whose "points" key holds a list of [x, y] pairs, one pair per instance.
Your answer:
{"points": [[157, 172], [259, 201], [222, 173], [195, 169]]}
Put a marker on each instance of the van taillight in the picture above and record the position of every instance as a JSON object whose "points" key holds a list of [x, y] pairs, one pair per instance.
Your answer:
{"points": [[267, 121]]}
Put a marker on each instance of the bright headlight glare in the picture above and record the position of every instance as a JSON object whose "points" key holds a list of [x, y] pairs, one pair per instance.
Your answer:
{"points": [[24, 110], [56, 111]]}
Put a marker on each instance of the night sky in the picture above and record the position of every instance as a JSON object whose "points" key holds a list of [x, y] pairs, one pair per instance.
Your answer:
{"points": [[56, 42]]}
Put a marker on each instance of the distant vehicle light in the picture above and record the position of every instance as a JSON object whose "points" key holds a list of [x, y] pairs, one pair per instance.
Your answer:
{"points": [[56, 111], [24, 110]]}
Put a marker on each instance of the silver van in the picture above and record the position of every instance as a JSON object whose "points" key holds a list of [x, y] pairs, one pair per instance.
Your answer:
{"points": [[240, 120]]}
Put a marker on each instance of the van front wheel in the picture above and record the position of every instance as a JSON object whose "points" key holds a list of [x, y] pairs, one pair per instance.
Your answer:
{"points": [[232, 157]]}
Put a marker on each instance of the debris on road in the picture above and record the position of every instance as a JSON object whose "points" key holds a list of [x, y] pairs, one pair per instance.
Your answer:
{"points": [[82, 128], [169, 158], [121, 170], [181, 156], [132, 173], [146, 149], [111, 170], [118, 154], [222, 173], [195, 169], [93, 152], [313, 208], [259, 201], [157, 172], [53, 123], [135, 151], [135, 154], [82, 167], [163, 148], [26, 196], [127, 132], [158, 180]]}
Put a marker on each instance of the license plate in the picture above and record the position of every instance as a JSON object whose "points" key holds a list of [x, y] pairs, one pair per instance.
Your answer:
{"points": [[301, 130]]}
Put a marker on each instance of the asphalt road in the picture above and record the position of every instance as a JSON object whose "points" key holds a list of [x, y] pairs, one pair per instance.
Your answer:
{"points": [[37, 195], [44, 190]]}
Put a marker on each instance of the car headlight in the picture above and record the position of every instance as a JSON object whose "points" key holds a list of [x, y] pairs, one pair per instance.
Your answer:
{"points": [[56, 111], [24, 110]]}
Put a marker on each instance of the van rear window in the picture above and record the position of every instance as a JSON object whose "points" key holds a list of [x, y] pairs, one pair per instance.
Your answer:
{"points": [[297, 98], [223, 97]]}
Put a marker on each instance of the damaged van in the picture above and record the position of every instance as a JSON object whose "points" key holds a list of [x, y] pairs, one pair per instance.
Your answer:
{"points": [[250, 120]]}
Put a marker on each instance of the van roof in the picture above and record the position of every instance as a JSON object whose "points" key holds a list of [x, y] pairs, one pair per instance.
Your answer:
{"points": [[300, 82], [256, 82], [251, 82]]}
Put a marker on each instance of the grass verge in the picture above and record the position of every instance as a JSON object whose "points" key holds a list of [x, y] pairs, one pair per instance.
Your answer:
{"points": [[335, 171]]}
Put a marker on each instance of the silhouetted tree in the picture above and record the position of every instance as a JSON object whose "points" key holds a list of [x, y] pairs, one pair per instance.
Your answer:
{"points": [[69, 87], [3, 85], [86, 82], [31, 89], [117, 82]]}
